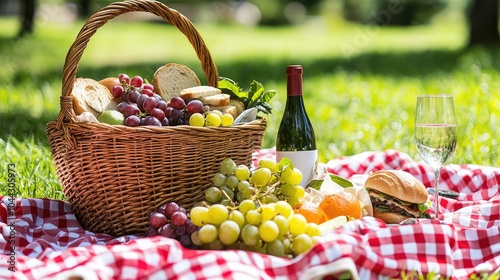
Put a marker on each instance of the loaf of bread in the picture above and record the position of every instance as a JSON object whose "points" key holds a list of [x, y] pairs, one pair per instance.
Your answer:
{"points": [[91, 96], [171, 78], [198, 92]]}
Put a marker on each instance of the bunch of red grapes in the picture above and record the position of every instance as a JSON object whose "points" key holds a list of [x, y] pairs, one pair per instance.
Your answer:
{"points": [[171, 220], [142, 106]]}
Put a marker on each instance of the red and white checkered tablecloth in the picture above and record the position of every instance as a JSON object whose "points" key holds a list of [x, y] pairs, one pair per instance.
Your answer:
{"points": [[41, 238]]}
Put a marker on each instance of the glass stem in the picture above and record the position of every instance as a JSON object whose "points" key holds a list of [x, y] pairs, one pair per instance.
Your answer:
{"points": [[436, 193]]}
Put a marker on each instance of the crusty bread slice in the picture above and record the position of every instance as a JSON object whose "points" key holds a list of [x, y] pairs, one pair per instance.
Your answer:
{"points": [[171, 78], [226, 109], [199, 92], [220, 99], [91, 96]]}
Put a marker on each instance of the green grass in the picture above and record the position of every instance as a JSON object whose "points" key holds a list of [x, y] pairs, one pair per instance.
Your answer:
{"points": [[360, 82]]}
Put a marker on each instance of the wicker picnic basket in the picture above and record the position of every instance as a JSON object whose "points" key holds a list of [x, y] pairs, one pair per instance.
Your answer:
{"points": [[114, 176]]}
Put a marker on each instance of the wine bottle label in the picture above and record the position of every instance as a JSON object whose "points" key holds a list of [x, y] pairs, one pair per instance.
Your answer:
{"points": [[305, 161]]}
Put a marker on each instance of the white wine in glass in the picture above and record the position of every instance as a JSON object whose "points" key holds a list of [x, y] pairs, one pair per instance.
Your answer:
{"points": [[435, 133]]}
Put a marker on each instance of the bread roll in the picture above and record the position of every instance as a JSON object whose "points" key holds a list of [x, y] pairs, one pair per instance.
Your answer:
{"points": [[91, 96], [399, 184], [221, 99], [171, 78]]}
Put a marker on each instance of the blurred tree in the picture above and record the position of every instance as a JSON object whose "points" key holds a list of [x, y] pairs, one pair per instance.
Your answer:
{"points": [[483, 21], [28, 8]]}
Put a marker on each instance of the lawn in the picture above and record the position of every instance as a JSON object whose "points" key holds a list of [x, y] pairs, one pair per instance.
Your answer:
{"points": [[360, 82]]}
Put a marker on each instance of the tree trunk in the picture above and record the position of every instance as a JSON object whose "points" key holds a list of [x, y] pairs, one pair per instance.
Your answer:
{"points": [[28, 8], [483, 20]]}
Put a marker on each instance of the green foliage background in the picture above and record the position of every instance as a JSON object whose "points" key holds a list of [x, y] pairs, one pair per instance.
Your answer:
{"points": [[360, 81]]}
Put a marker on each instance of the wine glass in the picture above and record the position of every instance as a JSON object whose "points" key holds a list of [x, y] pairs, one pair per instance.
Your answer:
{"points": [[435, 133]]}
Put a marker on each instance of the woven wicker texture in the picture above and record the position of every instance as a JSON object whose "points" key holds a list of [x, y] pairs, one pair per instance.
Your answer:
{"points": [[114, 176]]}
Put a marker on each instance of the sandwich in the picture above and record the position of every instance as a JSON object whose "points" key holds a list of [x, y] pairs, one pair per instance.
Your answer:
{"points": [[397, 195]]}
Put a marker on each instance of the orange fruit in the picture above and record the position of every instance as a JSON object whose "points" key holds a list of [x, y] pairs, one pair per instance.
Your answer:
{"points": [[340, 204], [310, 211]]}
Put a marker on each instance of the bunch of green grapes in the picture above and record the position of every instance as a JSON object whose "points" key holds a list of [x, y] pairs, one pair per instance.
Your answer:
{"points": [[271, 228], [269, 182]]}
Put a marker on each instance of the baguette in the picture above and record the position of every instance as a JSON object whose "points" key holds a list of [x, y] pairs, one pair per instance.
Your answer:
{"points": [[170, 79], [91, 96]]}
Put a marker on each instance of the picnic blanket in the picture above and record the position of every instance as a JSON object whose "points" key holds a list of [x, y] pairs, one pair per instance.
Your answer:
{"points": [[42, 239]]}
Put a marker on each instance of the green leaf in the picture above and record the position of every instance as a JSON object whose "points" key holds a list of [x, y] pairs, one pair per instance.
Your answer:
{"points": [[230, 87], [254, 93], [341, 181], [284, 163]]}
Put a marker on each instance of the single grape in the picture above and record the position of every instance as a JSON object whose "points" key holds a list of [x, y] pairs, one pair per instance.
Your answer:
{"points": [[217, 112], [288, 189], [124, 79], [171, 208], [242, 172], [312, 229], [215, 245], [121, 106], [178, 219], [261, 176], [132, 121], [219, 179], [294, 178], [213, 194], [131, 110], [229, 231], [199, 215], [149, 104], [250, 234], [137, 81], [242, 185], [275, 248], [297, 224], [293, 201], [246, 205], [300, 192], [282, 223], [253, 217], [232, 182], [157, 220], [177, 103], [227, 166], [268, 163], [133, 95], [268, 211], [162, 105], [301, 243], [148, 92], [167, 230], [195, 106], [268, 231], [151, 231], [237, 217], [117, 91], [283, 208], [176, 115], [157, 96], [217, 214], [150, 120], [190, 227], [195, 238], [140, 101], [269, 198], [168, 112], [185, 240], [212, 119], [208, 233], [148, 86], [158, 113], [196, 119], [227, 120]]}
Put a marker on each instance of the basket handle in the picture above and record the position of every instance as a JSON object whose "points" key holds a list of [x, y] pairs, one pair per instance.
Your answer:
{"points": [[111, 11]]}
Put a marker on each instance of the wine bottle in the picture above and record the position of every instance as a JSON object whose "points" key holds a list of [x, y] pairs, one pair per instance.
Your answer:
{"points": [[295, 139]]}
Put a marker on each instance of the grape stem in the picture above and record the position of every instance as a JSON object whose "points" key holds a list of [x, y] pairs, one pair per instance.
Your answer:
{"points": [[269, 190], [228, 198]]}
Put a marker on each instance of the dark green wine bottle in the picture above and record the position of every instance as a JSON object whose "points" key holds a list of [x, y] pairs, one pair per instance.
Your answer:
{"points": [[296, 139]]}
